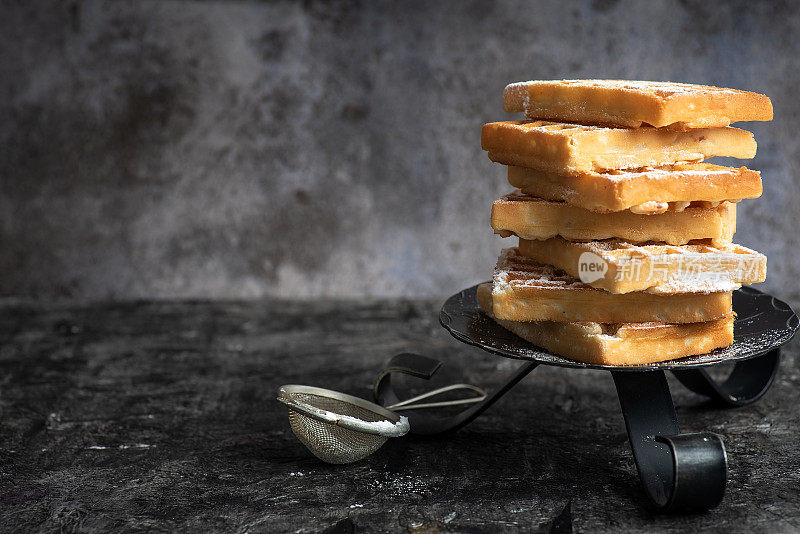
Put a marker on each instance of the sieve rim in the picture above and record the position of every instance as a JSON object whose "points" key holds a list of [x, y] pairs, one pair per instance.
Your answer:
{"points": [[286, 396]]}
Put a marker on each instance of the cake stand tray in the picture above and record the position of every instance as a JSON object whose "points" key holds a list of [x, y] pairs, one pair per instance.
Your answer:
{"points": [[680, 472]]}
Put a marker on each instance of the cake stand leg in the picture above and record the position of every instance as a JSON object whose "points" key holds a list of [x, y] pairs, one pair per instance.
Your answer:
{"points": [[680, 472], [424, 367], [747, 383]]}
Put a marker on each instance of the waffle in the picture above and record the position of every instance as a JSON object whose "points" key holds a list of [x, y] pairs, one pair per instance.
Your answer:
{"points": [[633, 103], [655, 268], [571, 148], [524, 290], [621, 343], [533, 218], [621, 190]]}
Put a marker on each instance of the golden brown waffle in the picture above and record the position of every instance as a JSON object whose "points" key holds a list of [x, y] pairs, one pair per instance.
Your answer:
{"points": [[655, 268], [632, 103], [618, 344], [571, 148], [525, 290], [530, 217], [622, 190]]}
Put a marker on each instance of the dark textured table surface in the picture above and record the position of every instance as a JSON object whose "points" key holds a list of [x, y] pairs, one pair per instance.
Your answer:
{"points": [[162, 416]]}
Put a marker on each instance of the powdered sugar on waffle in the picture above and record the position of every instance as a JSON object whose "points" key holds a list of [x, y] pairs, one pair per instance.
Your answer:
{"points": [[659, 88], [514, 269], [694, 268], [611, 249], [698, 170], [711, 283], [664, 89]]}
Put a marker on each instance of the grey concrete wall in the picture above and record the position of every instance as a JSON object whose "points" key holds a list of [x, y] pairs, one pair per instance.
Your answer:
{"points": [[307, 149]]}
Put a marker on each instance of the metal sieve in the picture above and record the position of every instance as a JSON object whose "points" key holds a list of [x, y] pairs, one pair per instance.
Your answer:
{"points": [[339, 428]]}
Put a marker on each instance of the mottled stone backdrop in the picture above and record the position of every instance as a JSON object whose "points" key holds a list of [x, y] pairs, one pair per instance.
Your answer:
{"points": [[303, 149]]}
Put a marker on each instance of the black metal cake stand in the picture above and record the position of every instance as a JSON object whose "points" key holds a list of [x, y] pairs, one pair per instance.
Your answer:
{"points": [[680, 472]]}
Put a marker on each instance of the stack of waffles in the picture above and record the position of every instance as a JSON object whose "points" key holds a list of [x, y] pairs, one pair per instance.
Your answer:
{"points": [[625, 252]]}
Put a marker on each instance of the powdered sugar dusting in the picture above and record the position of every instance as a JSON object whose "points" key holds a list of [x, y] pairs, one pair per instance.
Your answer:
{"points": [[663, 89], [700, 284], [692, 268], [515, 270], [614, 249], [694, 170]]}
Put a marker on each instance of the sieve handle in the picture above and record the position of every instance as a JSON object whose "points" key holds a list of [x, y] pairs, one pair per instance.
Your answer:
{"points": [[424, 367], [409, 404]]}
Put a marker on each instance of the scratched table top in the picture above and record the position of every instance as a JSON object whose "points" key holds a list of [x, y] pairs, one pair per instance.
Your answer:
{"points": [[162, 416]]}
